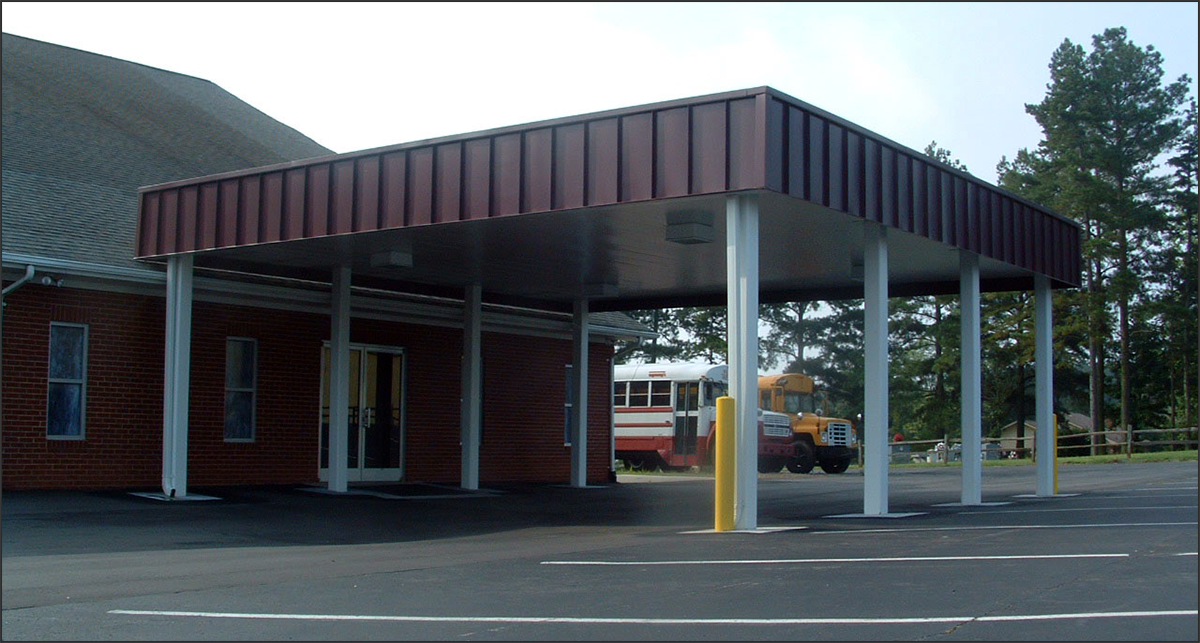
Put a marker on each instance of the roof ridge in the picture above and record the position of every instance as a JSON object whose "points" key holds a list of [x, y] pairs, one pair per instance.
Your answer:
{"points": [[121, 60]]}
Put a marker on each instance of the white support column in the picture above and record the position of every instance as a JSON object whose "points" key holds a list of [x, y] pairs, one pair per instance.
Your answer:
{"points": [[741, 224], [972, 391], [472, 402], [339, 378], [579, 383], [176, 376], [1043, 355], [875, 380]]}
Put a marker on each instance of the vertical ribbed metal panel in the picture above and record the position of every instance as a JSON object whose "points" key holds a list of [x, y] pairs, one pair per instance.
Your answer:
{"points": [[366, 194], [835, 167], [392, 189], [745, 156], [294, 214], [341, 199], [856, 175], [506, 175], [776, 147], [188, 207], [961, 214], [420, 186], [889, 207], [169, 220], [872, 181], [207, 219], [248, 207], [272, 199], [317, 199], [637, 157], [148, 243], [671, 153], [447, 183], [603, 161], [539, 158], [797, 153], [744, 140], [708, 148], [570, 154], [816, 161], [918, 198], [227, 217], [477, 179]]}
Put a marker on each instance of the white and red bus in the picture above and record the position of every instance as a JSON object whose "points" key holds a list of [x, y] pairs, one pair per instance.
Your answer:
{"points": [[664, 415]]}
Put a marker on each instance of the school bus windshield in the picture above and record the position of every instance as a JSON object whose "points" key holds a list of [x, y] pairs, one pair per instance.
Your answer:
{"points": [[713, 390], [797, 403]]}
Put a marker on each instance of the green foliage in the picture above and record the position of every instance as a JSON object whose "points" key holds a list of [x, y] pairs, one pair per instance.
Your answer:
{"points": [[1118, 155]]}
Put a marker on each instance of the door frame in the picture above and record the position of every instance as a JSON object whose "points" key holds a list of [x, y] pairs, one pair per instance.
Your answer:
{"points": [[361, 473]]}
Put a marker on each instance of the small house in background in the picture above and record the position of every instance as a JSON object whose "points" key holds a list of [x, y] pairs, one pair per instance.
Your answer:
{"points": [[1072, 437]]}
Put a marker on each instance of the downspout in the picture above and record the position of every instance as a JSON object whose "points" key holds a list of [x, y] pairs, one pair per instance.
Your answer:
{"points": [[29, 270], [612, 416]]}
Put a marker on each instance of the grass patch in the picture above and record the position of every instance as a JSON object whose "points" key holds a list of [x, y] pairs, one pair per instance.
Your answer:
{"points": [[1155, 456]]}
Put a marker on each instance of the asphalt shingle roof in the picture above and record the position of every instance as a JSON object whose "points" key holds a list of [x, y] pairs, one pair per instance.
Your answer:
{"points": [[82, 132]]}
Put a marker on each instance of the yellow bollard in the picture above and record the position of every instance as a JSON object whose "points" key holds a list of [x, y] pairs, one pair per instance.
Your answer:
{"points": [[725, 461], [1056, 454]]}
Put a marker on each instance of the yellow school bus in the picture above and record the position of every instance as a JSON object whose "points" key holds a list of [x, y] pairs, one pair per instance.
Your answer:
{"points": [[830, 443]]}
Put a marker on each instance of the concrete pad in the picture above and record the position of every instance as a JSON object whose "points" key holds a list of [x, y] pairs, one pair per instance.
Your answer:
{"points": [[158, 495], [758, 530], [887, 515]]}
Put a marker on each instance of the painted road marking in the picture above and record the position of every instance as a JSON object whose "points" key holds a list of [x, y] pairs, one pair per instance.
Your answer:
{"points": [[790, 561], [1111, 524], [658, 621], [1022, 511], [1173, 488]]}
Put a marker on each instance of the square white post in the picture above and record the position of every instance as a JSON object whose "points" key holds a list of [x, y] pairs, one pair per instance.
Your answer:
{"points": [[741, 224], [875, 379], [1043, 356], [579, 384], [176, 376], [339, 379], [972, 391], [472, 403]]}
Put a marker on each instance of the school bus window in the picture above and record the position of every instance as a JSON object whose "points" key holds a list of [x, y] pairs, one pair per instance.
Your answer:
{"points": [[660, 394], [620, 394], [639, 393]]}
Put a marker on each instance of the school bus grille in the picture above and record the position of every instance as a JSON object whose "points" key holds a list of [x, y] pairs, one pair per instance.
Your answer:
{"points": [[779, 427], [839, 434]]}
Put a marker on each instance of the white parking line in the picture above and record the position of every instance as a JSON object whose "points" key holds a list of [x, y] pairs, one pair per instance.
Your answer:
{"points": [[657, 621], [796, 561], [1023, 511], [1160, 488], [1148, 495], [1111, 524]]}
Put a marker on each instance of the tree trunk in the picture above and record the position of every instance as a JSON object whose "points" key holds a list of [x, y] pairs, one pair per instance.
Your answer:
{"points": [[1123, 311]]}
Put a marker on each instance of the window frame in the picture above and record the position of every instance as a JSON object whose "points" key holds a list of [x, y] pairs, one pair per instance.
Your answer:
{"points": [[82, 381], [253, 390]]}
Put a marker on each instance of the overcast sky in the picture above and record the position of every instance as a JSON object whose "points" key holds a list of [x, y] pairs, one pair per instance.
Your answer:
{"points": [[357, 76]]}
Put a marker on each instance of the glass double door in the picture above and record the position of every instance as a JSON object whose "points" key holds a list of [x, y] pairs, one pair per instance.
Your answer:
{"points": [[375, 426]]}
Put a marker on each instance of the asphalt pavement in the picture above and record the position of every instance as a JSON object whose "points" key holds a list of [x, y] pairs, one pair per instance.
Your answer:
{"points": [[1113, 557]]}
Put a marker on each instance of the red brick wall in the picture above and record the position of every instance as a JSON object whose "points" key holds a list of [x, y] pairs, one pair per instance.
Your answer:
{"points": [[523, 410]]}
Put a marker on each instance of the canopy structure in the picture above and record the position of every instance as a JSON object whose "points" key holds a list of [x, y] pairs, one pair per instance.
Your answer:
{"points": [[660, 205]]}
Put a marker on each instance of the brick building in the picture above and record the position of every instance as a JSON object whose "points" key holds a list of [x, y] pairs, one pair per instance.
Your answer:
{"points": [[83, 322]]}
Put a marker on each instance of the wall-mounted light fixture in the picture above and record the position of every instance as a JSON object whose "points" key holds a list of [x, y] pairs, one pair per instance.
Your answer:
{"points": [[395, 258], [690, 227]]}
